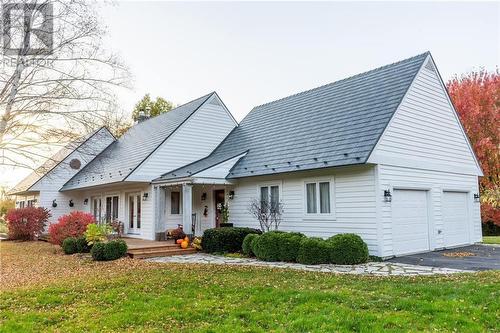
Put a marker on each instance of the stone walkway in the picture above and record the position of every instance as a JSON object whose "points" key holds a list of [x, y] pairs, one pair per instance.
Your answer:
{"points": [[371, 268]]}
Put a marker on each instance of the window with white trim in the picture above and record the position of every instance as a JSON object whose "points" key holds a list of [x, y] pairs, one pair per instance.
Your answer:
{"points": [[111, 208], [269, 196], [318, 197], [175, 202]]}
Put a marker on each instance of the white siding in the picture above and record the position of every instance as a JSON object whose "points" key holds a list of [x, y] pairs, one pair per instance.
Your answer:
{"points": [[195, 139], [435, 182], [51, 183], [355, 209], [425, 131]]}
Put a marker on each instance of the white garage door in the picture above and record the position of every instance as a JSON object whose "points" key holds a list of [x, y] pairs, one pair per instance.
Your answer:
{"points": [[410, 222], [455, 217]]}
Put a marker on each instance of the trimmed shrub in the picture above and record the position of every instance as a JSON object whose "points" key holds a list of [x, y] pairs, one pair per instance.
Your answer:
{"points": [[267, 246], [69, 245], [82, 246], [73, 224], [347, 249], [313, 251], [26, 223], [111, 250], [289, 245], [225, 239], [247, 244]]}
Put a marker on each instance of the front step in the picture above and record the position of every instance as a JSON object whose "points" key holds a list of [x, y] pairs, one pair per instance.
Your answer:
{"points": [[159, 252]]}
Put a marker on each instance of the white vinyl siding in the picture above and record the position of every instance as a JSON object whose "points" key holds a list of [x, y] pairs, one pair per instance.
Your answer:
{"points": [[193, 140], [436, 183], [425, 131], [353, 206]]}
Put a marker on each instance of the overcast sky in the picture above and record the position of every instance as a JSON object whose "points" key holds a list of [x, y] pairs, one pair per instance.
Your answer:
{"points": [[252, 53]]}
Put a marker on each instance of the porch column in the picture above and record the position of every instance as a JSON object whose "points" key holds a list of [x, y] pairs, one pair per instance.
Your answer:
{"points": [[187, 208]]}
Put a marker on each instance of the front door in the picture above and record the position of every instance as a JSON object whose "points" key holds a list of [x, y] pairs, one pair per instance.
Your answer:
{"points": [[219, 206], [96, 208], [134, 213]]}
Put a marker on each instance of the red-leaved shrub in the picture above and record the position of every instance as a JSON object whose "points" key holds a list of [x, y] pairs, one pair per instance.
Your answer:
{"points": [[26, 223], [72, 225]]}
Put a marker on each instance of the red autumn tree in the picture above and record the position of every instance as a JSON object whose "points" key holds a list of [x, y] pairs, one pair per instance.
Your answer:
{"points": [[476, 96]]}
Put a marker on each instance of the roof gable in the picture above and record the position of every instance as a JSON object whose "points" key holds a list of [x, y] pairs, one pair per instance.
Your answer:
{"points": [[332, 125], [127, 153]]}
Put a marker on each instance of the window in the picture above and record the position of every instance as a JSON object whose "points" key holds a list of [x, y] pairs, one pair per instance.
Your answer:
{"points": [[175, 202], [21, 204], [96, 208], [111, 208], [31, 203], [318, 198], [270, 195]]}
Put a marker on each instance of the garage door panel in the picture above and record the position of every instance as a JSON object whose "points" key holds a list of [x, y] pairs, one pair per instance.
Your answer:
{"points": [[410, 221], [455, 218]]}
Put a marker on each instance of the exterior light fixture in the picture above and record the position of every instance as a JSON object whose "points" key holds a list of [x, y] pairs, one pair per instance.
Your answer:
{"points": [[145, 196], [387, 196], [71, 204], [203, 196], [54, 203], [231, 195], [86, 201], [476, 197]]}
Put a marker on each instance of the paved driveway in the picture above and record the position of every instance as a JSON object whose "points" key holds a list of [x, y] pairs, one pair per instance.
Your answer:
{"points": [[485, 258]]}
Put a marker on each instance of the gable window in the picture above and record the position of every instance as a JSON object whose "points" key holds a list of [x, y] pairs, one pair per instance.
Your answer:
{"points": [[318, 197], [269, 196], [175, 202], [111, 208]]}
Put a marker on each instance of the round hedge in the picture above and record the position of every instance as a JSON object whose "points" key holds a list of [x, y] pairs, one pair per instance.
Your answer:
{"points": [[289, 245], [313, 251], [69, 245], [267, 246], [227, 239], [347, 249], [109, 251], [247, 244]]}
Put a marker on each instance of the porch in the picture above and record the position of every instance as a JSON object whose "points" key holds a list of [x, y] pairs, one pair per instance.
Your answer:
{"points": [[143, 248], [193, 204]]}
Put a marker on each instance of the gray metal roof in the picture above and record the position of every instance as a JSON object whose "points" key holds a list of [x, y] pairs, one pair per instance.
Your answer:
{"points": [[333, 125], [124, 155], [26, 185]]}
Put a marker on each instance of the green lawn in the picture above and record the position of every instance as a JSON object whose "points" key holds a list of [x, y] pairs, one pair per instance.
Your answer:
{"points": [[133, 296], [491, 239]]}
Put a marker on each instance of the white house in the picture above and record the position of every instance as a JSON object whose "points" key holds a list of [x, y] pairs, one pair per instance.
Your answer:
{"points": [[381, 154]]}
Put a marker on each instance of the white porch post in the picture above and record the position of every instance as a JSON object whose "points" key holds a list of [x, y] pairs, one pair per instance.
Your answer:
{"points": [[187, 207]]}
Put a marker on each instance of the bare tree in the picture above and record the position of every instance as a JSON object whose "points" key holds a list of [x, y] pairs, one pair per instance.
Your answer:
{"points": [[267, 213], [51, 95]]}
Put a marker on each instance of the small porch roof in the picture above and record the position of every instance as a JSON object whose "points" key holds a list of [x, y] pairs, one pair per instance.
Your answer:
{"points": [[193, 181]]}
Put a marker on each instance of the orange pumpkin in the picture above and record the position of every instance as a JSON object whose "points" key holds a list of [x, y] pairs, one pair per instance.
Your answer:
{"points": [[179, 241], [184, 244], [186, 239]]}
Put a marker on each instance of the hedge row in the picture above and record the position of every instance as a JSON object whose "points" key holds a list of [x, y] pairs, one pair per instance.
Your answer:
{"points": [[75, 245], [342, 249], [226, 239], [109, 250]]}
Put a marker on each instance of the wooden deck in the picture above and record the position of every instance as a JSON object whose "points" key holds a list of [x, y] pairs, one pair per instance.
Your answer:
{"points": [[142, 248]]}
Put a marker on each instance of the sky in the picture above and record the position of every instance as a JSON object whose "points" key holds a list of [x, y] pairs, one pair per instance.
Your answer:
{"points": [[253, 53]]}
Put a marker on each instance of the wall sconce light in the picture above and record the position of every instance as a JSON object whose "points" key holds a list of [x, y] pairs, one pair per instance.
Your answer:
{"points": [[86, 201], [476, 197], [203, 196], [231, 195], [387, 196], [54, 203], [71, 204], [145, 196]]}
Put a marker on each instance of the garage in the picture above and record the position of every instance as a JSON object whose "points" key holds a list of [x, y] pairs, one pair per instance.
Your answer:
{"points": [[455, 217], [410, 222]]}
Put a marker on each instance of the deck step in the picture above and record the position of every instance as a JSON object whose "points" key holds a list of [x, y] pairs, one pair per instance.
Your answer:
{"points": [[159, 252]]}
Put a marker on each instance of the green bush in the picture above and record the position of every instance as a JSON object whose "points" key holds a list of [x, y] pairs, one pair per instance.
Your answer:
{"points": [[109, 251], [227, 239], [266, 247], [82, 246], [313, 251], [69, 245], [247, 244], [289, 245], [347, 249]]}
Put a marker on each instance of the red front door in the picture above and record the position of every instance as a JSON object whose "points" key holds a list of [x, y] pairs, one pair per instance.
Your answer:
{"points": [[219, 205]]}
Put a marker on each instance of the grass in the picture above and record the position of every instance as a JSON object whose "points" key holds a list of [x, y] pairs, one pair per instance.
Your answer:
{"points": [[43, 290], [491, 239]]}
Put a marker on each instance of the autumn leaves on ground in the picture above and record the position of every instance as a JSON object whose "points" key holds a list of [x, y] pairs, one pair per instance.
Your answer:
{"points": [[44, 290]]}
